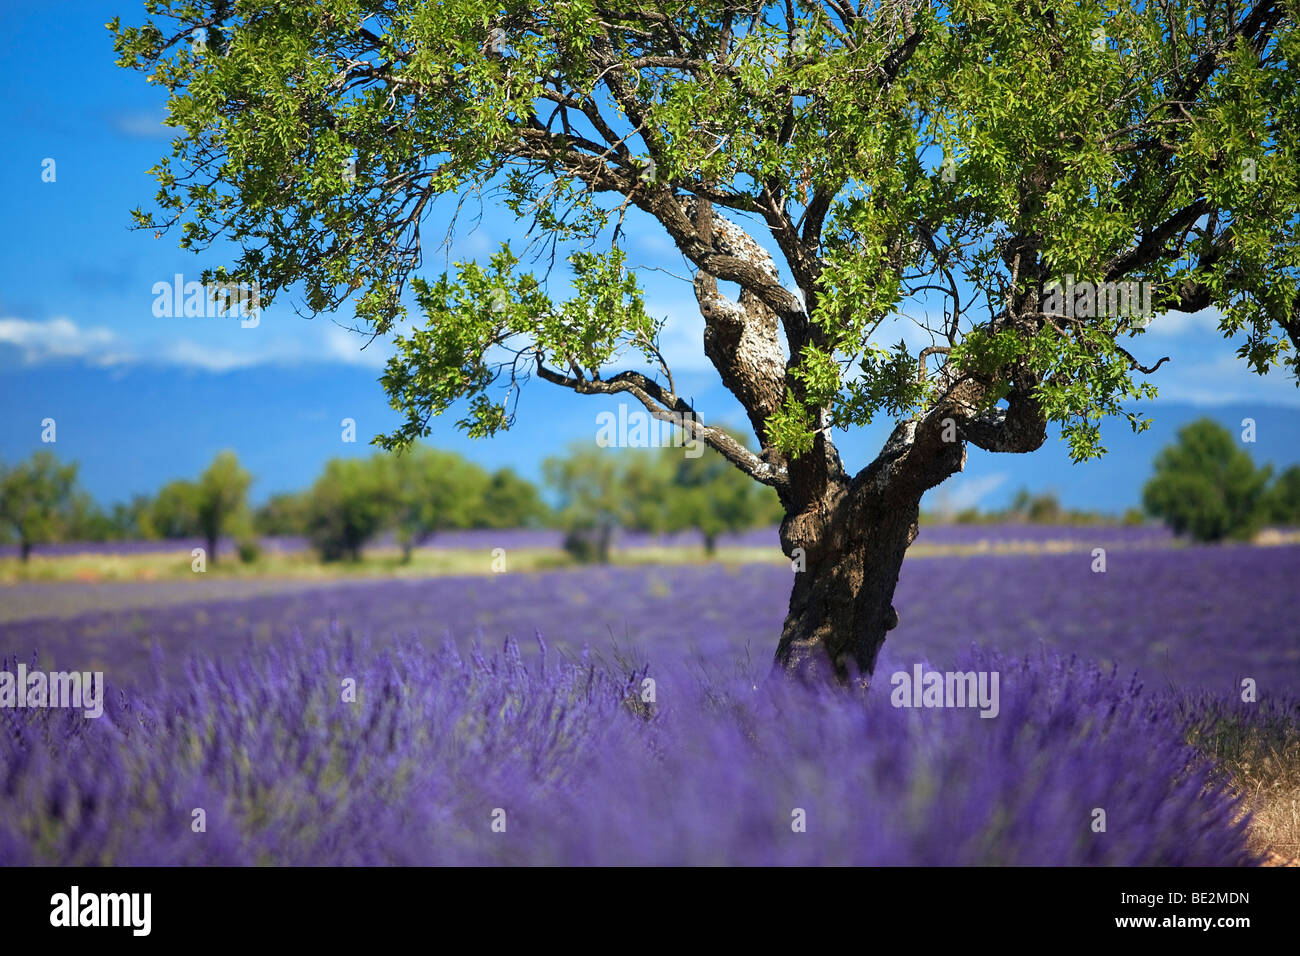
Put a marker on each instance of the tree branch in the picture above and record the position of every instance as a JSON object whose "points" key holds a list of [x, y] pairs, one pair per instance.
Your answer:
{"points": [[666, 406]]}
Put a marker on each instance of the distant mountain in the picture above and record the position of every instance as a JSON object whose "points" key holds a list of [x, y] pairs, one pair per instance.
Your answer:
{"points": [[132, 428], [1114, 482]]}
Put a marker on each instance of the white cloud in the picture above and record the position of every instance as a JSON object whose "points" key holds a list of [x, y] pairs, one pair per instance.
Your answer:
{"points": [[55, 339], [1203, 370], [143, 124], [1224, 380], [191, 354], [1169, 324], [966, 492], [355, 348], [682, 338]]}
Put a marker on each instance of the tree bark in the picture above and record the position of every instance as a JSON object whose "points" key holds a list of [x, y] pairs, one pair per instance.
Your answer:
{"points": [[841, 606], [847, 539], [26, 549]]}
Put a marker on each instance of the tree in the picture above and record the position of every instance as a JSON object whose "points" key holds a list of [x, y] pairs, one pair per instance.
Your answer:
{"points": [[37, 500], [1041, 508], [1282, 500], [510, 501], [430, 491], [134, 519], [347, 506], [1028, 183], [283, 514], [714, 498], [1205, 485], [174, 513], [658, 491], [87, 521], [220, 499], [592, 488]]}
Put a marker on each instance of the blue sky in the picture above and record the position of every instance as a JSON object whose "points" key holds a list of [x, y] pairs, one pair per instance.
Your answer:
{"points": [[139, 399]]}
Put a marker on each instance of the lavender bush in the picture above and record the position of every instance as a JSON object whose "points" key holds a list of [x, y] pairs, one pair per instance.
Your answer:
{"points": [[587, 771]]}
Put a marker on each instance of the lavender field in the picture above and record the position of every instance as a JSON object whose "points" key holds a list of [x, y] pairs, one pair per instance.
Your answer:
{"points": [[939, 535], [520, 701], [1198, 618], [450, 759]]}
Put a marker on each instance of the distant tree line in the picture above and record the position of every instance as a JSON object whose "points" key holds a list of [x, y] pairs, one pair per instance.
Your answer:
{"points": [[655, 490], [1042, 507], [1205, 485], [41, 502], [413, 495]]}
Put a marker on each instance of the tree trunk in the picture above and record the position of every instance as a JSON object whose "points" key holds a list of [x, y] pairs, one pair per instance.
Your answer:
{"points": [[710, 544], [212, 548], [603, 538], [841, 607], [847, 539], [26, 549]]}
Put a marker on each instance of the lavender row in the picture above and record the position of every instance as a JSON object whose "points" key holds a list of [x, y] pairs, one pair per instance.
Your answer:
{"points": [[1195, 617]]}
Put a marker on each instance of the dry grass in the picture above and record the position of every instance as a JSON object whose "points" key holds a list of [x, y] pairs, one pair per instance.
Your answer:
{"points": [[295, 565], [1272, 791], [1262, 762]]}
